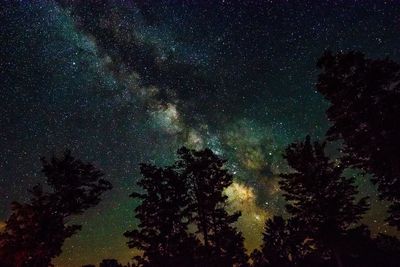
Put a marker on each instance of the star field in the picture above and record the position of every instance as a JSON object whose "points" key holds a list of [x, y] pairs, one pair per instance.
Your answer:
{"points": [[124, 82]]}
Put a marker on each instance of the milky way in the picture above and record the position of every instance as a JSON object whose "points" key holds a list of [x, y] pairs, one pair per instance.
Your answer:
{"points": [[124, 82]]}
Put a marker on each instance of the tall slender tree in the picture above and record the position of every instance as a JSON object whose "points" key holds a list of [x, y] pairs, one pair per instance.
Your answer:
{"points": [[206, 178], [365, 111], [163, 213], [319, 198], [35, 231]]}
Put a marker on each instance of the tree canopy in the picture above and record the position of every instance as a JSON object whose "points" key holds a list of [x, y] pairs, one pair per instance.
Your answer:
{"points": [[365, 110], [36, 230]]}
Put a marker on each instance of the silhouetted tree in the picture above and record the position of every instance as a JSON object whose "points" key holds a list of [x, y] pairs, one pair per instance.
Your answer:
{"points": [[35, 231], [282, 244], [365, 111], [206, 178], [188, 193], [163, 214], [320, 199]]}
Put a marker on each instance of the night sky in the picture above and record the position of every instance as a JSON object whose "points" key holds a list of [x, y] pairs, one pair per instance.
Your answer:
{"points": [[124, 82]]}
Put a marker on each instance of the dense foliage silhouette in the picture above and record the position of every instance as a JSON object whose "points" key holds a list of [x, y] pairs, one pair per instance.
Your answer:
{"points": [[206, 178], [188, 194], [281, 246], [36, 230], [320, 198], [322, 205], [163, 215], [365, 111]]}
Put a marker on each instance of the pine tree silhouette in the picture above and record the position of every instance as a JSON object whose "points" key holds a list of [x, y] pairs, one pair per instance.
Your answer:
{"points": [[320, 200], [188, 193], [282, 244], [206, 178], [365, 111], [35, 231], [163, 214]]}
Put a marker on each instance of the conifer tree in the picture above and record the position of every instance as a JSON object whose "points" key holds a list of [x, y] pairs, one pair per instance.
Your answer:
{"points": [[281, 244], [162, 232], [188, 194], [206, 178], [320, 199], [365, 111], [35, 231]]}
